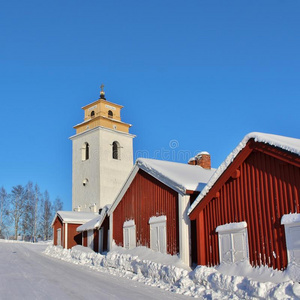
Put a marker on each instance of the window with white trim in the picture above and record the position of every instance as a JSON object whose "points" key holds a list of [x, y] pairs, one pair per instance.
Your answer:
{"points": [[291, 224], [90, 239], [129, 234], [233, 242], [158, 233]]}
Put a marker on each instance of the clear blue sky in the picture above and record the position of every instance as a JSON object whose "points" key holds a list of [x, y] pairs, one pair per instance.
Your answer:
{"points": [[199, 74]]}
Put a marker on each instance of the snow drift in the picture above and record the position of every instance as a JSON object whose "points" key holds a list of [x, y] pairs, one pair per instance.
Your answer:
{"points": [[203, 282]]}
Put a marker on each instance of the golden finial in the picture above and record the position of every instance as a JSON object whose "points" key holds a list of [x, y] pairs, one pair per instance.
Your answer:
{"points": [[102, 94]]}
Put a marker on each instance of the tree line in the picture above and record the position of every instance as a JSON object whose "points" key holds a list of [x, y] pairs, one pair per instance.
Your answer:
{"points": [[27, 213]]}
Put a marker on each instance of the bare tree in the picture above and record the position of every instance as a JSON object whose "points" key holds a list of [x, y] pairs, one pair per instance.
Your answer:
{"points": [[28, 214], [46, 216], [37, 196], [18, 203], [57, 205], [3, 211]]}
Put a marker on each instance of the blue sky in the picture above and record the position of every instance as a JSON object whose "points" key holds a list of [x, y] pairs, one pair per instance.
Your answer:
{"points": [[192, 75]]}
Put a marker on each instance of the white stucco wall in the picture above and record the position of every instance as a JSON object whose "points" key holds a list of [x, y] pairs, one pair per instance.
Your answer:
{"points": [[105, 175]]}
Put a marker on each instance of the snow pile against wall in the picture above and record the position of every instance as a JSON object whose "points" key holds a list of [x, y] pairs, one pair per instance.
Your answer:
{"points": [[203, 282]]}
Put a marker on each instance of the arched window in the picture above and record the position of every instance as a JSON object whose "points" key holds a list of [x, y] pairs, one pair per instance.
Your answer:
{"points": [[115, 150], [92, 114], [85, 151], [110, 114]]}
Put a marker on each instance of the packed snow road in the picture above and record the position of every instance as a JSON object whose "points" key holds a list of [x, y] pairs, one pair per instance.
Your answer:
{"points": [[27, 273]]}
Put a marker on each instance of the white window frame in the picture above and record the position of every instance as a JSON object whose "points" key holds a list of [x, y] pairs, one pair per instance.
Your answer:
{"points": [[90, 239], [158, 233], [129, 234], [291, 224], [231, 234]]}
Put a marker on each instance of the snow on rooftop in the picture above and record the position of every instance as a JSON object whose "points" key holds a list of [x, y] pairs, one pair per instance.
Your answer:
{"points": [[95, 222], [286, 143], [180, 177], [75, 216]]}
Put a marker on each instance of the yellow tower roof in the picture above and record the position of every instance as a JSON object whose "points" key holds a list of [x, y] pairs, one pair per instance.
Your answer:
{"points": [[102, 113]]}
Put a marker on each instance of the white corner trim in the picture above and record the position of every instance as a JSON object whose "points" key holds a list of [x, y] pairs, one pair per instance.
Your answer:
{"points": [[66, 235]]}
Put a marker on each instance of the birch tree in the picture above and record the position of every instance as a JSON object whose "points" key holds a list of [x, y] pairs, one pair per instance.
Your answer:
{"points": [[37, 196], [3, 211], [18, 203], [57, 205], [46, 216]]}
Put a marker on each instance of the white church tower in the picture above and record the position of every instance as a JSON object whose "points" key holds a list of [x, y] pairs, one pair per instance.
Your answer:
{"points": [[102, 155]]}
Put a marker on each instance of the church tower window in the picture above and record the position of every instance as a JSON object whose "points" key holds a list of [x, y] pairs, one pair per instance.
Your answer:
{"points": [[92, 114], [85, 151], [110, 114], [115, 150]]}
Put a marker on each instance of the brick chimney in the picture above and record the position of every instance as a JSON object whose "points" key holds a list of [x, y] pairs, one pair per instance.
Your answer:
{"points": [[202, 159]]}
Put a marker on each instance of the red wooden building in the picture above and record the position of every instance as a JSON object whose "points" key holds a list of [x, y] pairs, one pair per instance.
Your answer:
{"points": [[64, 227], [151, 208], [95, 232], [250, 208]]}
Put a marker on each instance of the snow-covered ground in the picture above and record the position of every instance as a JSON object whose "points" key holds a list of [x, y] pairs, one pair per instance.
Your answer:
{"points": [[167, 273], [42, 271], [28, 273]]}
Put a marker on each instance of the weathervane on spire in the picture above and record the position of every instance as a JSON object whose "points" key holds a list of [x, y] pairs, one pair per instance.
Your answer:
{"points": [[102, 94]]}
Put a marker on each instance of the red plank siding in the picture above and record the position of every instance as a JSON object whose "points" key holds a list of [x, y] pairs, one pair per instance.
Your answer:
{"points": [[74, 237], [267, 188], [147, 197]]}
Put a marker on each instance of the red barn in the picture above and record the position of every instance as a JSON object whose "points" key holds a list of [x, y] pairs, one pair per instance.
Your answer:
{"points": [[64, 227], [250, 208], [95, 232], [151, 208]]}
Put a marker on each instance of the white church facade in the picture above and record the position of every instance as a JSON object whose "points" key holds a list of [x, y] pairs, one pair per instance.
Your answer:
{"points": [[102, 155]]}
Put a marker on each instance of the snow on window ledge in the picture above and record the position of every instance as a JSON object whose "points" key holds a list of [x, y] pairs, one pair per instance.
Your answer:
{"points": [[231, 226], [290, 219], [128, 223], [159, 219]]}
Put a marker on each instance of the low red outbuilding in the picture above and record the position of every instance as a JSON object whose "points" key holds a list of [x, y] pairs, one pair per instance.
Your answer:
{"points": [[95, 232], [64, 227], [250, 208], [151, 208]]}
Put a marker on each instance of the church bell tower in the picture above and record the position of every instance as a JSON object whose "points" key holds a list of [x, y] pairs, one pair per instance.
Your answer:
{"points": [[102, 155]]}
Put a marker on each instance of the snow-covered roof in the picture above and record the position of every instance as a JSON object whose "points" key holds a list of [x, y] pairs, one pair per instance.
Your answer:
{"points": [[76, 217], [286, 143], [178, 176], [95, 222]]}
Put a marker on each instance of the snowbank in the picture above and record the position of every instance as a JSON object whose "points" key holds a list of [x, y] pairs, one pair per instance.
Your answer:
{"points": [[203, 282]]}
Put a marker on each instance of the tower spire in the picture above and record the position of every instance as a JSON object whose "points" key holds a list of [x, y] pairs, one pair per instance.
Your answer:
{"points": [[102, 94]]}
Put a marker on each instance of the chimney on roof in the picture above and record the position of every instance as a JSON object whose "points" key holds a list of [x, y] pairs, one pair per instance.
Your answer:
{"points": [[202, 159]]}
